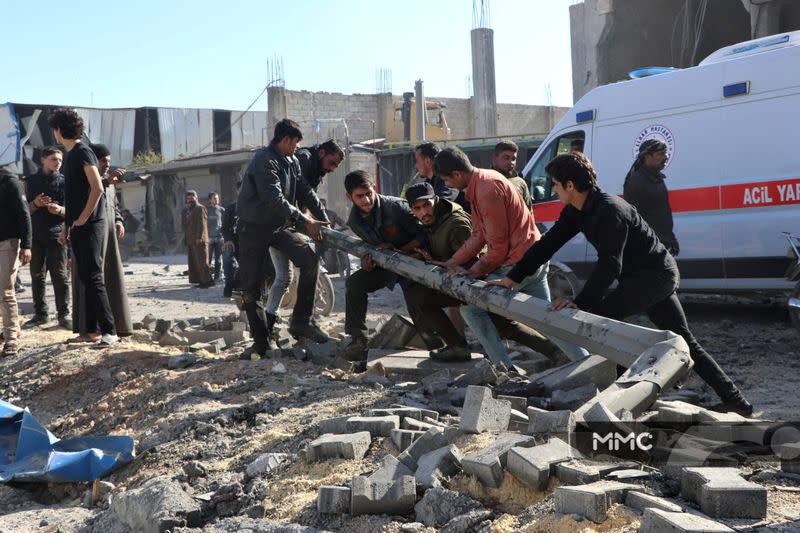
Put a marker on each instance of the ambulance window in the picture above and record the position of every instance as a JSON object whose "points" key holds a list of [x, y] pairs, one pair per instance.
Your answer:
{"points": [[541, 187]]}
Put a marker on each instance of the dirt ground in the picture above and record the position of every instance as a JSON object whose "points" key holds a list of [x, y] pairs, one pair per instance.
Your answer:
{"points": [[224, 412]]}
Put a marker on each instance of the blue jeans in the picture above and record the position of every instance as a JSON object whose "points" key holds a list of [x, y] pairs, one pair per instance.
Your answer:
{"points": [[283, 278], [481, 324], [229, 266]]}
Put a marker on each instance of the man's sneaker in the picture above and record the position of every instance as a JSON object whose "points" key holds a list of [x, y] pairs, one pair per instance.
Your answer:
{"points": [[355, 350], [736, 404], [65, 322], [309, 331], [37, 320], [452, 353], [252, 354]]}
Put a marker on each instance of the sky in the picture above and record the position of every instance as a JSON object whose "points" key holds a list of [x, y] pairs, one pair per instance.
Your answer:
{"points": [[218, 54]]}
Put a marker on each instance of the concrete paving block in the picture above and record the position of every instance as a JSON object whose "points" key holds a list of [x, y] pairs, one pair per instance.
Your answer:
{"points": [[404, 412], [591, 501], [433, 422], [328, 446], [519, 421], [437, 382], [593, 370], [378, 426], [438, 464], [432, 439], [676, 411], [391, 469], [533, 466], [660, 521], [790, 458], [723, 493], [489, 463], [582, 472], [393, 497], [415, 425], [169, 338], [336, 425], [333, 500], [396, 333], [484, 413], [641, 501], [266, 463], [518, 403], [560, 424], [571, 399], [403, 438]]}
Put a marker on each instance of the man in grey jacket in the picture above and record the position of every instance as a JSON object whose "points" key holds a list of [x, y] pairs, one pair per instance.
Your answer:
{"points": [[272, 188]]}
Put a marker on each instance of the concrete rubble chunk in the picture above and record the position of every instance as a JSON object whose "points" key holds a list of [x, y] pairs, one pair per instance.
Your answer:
{"points": [[593, 370], [790, 458], [375, 496], [560, 424], [641, 501], [432, 439], [397, 333], [333, 500], [676, 412], [591, 501], [573, 398], [414, 413], [660, 521], [265, 463], [337, 425], [328, 446], [159, 505], [391, 469], [403, 438], [723, 492], [438, 506], [169, 338], [322, 354], [163, 325], [534, 466], [438, 464], [489, 463], [415, 425], [477, 520], [519, 421], [184, 360], [584, 472], [629, 474], [229, 337], [518, 403], [599, 413], [483, 413], [243, 524], [706, 415], [437, 383], [283, 338], [483, 373], [377, 426]]}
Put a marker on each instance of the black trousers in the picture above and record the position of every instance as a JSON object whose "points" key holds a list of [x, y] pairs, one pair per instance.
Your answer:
{"points": [[47, 255], [654, 294], [357, 289], [254, 267], [87, 243], [215, 255]]}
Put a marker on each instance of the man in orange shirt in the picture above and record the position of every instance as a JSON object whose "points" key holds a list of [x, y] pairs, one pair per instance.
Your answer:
{"points": [[502, 223]]}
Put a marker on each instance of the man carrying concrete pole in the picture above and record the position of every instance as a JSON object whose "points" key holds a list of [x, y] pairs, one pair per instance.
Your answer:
{"points": [[628, 251]]}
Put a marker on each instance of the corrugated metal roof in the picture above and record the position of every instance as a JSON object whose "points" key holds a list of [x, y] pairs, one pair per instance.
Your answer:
{"points": [[185, 132], [250, 130]]}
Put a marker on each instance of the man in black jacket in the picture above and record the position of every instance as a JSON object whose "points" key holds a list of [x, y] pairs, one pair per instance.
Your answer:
{"points": [[45, 192], [15, 247], [628, 251], [267, 208], [645, 190], [230, 246], [318, 160]]}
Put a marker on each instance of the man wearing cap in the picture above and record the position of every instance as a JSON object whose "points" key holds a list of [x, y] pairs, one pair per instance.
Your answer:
{"points": [[196, 231], [645, 190]]}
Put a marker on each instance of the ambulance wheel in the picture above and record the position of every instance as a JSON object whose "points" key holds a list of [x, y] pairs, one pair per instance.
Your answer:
{"points": [[794, 306], [563, 282]]}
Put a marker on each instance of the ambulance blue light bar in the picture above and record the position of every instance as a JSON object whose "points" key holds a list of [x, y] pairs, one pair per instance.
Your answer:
{"points": [[584, 116], [736, 89]]}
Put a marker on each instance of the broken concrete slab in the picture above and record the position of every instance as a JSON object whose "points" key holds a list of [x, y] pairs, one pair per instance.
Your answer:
{"points": [[534, 466], [483, 413], [333, 500], [489, 463], [413, 365], [329, 446], [377, 496], [159, 505], [377, 426], [641, 501], [439, 506], [432, 439], [562, 399], [438, 464], [660, 521], [723, 492], [403, 438], [591, 501]]}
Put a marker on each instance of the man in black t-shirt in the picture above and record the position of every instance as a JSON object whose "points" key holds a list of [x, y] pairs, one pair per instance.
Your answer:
{"points": [[84, 224]]}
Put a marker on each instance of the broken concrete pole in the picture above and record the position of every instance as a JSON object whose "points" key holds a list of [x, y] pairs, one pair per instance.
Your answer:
{"points": [[377, 426], [159, 505], [438, 464], [484, 413], [432, 439], [573, 398], [660, 521], [489, 463], [641, 501], [533, 466], [592, 370], [723, 493], [331, 446], [333, 500], [591, 501], [403, 438], [381, 495]]}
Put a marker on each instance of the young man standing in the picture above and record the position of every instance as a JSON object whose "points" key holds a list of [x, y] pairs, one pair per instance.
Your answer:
{"points": [[196, 231], [385, 222], [230, 246], [85, 221], [272, 188], [504, 161], [45, 189], [501, 222], [215, 213], [424, 154], [15, 248], [628, 251]]}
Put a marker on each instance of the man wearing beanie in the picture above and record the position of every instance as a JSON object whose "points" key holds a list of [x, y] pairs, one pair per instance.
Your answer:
{"points": [[645, 190]]}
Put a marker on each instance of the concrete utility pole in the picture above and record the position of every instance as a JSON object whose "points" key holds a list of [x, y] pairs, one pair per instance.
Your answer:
{"points": [[484, 99], [656, 359], [422, 115]]}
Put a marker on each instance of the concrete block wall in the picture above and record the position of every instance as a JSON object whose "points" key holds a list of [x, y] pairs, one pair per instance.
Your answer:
{"points": [[358, 110]]}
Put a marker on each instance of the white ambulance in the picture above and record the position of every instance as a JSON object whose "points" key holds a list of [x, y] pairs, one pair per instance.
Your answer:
{"points": [[732, 125]]}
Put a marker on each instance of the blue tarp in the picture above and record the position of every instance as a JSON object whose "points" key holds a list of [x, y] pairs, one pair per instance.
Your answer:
{"points": [[28, 452]]}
